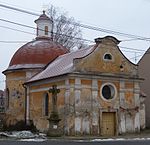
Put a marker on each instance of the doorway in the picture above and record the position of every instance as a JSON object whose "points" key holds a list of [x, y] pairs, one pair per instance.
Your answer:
{"points": [[108, 124]]}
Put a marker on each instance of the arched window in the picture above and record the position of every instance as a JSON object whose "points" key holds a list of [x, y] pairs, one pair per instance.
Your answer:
{"points": [[37, 31], [7, 98], [107, 56], [46, 30], [46, 105]]}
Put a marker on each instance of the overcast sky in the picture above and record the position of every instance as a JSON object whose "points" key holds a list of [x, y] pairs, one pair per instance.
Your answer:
{"points": [[127, 16]]}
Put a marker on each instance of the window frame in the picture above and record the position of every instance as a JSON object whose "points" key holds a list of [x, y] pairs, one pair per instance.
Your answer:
{"points": [[106, 59], [7, 97], [46, 30], [45, 105], [114, 88]]}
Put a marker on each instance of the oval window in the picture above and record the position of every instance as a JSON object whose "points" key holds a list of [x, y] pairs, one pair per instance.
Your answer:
{"points": [[108, 91]]}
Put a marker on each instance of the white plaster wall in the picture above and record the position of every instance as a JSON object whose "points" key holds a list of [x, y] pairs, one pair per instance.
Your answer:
{"points": [[95, 118], [122, 94], [66, 125], [77, 125], [122, 99], [122, 124], [95, 102], [122, 84], [67, 92], [142, 117], [94, 94], [129, 123], [86, 125], [41, 28], [77, 92], [136, 94], [77, 97], [94, 84], [137, 122]]}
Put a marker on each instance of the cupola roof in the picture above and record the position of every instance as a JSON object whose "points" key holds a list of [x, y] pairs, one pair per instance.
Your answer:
{"points": [[36, 54], [43, 17]]}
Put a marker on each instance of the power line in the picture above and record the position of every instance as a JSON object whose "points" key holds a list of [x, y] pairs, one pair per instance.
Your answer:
{"points": [[112, 32], [1, 41], [54, 33], [136, 56], [19, 24], [129, 48], [20, 10], [18, 41], [141, 55], [133, 39], [147, 52], [23, 25], [134, 50], [13, 5], [16, 30], [131, 51], [27, 26], [85, 26]]}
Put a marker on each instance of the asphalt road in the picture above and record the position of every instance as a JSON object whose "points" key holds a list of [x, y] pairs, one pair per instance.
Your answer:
{"points": [[62, 142]]}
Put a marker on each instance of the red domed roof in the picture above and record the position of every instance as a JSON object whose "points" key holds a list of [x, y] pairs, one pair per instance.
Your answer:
{"points": [[36, 53]]}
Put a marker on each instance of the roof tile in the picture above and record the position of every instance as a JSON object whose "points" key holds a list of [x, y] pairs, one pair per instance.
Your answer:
{"points": [[62, 65]]}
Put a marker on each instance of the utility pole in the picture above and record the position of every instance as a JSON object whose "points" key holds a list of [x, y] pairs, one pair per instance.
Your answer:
{"points": [[135, 57]]}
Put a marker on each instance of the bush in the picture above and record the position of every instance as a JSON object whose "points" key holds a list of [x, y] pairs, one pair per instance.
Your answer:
{"points": [[20, 126]]}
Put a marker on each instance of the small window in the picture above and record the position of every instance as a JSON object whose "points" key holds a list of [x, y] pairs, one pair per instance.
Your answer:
{"points": [[7, 97], [107, 57], [108, 91], [46, 30], [37, 31], [46, 105]]}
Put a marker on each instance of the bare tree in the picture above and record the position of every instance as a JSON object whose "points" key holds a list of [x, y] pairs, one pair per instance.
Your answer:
{"points": [[64, 30]]}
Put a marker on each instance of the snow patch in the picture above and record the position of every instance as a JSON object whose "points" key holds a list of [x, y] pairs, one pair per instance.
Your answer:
{"points": [[119, 139], [33, 140], [23, 135]]}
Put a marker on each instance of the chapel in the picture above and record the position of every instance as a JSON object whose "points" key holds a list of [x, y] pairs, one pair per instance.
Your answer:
{"points": [[91, 91]]}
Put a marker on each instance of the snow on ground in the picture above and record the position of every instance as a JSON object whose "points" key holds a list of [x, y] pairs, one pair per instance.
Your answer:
{"points": [[110, 139], [24, 136], [34, 139], [40, 137], [119, 139]]}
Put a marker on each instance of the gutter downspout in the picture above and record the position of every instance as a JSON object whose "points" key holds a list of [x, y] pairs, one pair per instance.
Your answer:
{"points": [[27, 108]]}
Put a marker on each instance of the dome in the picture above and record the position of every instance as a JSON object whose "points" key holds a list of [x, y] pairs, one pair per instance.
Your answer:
{"points": [[36, 54], [39, 52]]}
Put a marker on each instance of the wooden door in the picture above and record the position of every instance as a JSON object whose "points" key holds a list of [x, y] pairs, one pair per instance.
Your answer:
{"points": [[108, 124]]}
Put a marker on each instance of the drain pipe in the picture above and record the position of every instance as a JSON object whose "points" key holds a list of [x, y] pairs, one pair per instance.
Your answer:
{"points": [[27, 116]]}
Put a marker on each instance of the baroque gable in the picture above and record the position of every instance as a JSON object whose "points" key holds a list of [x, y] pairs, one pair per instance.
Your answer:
{"points": [[105, 58]]}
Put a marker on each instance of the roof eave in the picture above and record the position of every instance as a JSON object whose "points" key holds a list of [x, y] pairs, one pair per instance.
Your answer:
{"points": [[43, 79]]}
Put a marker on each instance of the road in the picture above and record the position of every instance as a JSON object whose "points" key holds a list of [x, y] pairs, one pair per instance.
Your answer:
{"points": [[62, 142]]}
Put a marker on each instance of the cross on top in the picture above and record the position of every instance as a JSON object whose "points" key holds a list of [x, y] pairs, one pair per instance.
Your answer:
{"points": [[54, 90]]}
